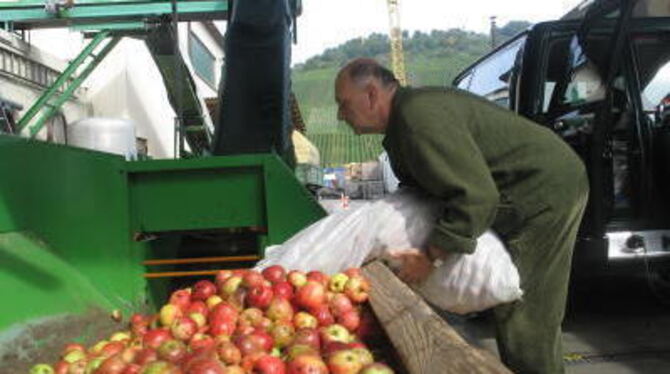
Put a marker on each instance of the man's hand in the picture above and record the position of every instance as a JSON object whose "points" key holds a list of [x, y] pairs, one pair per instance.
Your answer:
{"points": [[413, 265]]}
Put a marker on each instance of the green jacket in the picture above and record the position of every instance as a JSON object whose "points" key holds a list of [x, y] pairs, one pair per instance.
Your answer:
{"points": [[491, 167]]}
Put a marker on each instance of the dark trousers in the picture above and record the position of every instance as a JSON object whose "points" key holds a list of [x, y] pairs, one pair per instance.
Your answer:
{"points": [[528, 332]]}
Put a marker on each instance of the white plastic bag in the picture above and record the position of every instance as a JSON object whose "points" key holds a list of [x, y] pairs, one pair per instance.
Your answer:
{"points": [[403, 220]]}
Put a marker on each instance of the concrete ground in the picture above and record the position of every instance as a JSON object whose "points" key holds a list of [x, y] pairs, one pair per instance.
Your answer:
{"points": [[613, 325]]}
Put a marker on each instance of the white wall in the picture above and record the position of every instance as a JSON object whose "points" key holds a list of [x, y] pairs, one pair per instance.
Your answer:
{"points": [[128, 85]]}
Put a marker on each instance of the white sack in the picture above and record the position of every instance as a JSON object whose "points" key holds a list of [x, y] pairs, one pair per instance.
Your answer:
{"points": [[403, 220]]}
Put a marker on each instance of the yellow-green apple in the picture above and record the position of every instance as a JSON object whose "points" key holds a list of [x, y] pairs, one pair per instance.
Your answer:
{"points": [[337, 282], [280, 309], [377, 368], [304, 320], [344, 362], [334, 333], [297, 278]]}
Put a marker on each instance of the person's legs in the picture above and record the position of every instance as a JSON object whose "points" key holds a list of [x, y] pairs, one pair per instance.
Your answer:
{"points": [[528, 332]]}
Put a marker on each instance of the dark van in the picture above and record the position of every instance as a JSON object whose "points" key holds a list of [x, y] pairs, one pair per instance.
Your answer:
{"points": [[600, 78]]}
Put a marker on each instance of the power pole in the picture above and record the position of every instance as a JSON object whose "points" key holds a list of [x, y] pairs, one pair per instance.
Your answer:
{"points": [[493, 32], [395, 37]]}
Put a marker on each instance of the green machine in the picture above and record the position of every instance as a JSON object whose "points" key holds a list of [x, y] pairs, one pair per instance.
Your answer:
{"points": [[85, 235]]}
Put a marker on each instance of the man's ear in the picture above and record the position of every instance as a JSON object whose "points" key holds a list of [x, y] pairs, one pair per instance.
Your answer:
{"points": [[373, 94]]}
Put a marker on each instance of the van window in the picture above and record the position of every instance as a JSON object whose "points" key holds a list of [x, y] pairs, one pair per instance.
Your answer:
{"points": [[491, 77]]}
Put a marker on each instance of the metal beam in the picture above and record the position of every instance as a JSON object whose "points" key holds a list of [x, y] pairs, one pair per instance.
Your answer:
{"points": [[31, 15]]}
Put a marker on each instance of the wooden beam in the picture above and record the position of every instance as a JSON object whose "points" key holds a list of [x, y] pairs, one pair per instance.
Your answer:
{"points": [[425, 342]]}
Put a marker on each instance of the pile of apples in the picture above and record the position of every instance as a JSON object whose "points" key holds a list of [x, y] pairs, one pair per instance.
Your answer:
{"points": [[245, 321]]}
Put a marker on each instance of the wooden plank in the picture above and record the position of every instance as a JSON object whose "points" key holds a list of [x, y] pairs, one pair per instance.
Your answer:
{"points": [[425, 342]]}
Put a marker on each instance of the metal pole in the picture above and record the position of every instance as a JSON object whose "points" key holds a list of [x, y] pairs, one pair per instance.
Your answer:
{"points": [[493, 32]]}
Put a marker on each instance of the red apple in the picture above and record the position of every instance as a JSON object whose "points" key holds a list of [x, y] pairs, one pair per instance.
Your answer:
{"points": [[357, 289], [318, 276], [249, 344], [350, 320], [220, 327], [146, 356], [61, 367], [269, 365], [181, 298], [224, 312], [111, 349], [206, 366], [274, 273], [154, 338], [198, 306], [132, 369], [201, 341], [307, 336], [323, 315], [340, 304], [260, 296], [283, 289], [311, 295], [252, 278], [202, 290], [307, 364]]}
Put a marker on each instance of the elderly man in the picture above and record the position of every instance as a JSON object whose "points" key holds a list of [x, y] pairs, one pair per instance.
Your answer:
{"points": [[493, 169]]}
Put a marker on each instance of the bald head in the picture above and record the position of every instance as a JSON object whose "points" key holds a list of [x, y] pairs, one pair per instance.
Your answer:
{"points": [[362, 70], [364, 90]]}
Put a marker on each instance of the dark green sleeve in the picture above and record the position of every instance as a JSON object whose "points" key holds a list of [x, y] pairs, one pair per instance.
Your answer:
{"points": [[448, 164]]}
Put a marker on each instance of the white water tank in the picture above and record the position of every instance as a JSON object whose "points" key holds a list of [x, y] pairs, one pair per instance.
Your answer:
{"points": [[113, 135]]}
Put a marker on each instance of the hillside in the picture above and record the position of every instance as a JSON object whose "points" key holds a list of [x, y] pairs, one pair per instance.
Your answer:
{"points": [[431, 59]]}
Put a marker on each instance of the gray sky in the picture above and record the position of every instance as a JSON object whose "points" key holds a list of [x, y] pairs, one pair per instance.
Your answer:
{"points": [[328, 23]]}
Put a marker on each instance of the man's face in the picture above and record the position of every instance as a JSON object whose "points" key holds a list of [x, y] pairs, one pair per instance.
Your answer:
{"points": [[355, 105]]}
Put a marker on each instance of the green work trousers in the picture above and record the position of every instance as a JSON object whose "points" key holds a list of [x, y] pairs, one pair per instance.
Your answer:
{"points": [[528, 332]]}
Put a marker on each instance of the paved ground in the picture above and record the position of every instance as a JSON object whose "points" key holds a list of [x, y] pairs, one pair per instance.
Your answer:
{"points": [[614, 325]]}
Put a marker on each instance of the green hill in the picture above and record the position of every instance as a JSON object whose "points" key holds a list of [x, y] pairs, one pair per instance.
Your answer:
{"points": [[430, 59]]}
